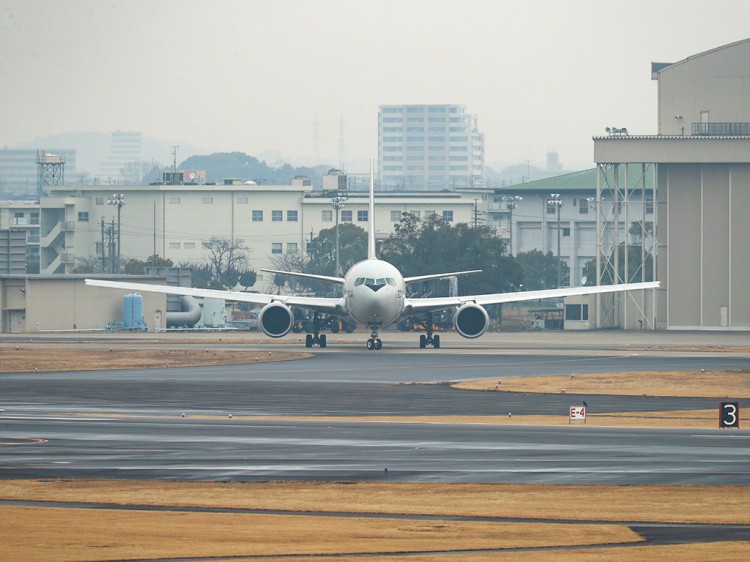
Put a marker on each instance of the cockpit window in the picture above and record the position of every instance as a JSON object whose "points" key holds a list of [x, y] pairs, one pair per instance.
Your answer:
{"points": [[380, 281]]}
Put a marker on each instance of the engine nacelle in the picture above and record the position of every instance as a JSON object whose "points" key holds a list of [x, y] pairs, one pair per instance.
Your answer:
{"points": [[276, 319], [471, 320]]}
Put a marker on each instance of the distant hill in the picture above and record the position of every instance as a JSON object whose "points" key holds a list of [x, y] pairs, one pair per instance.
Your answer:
{"points": [[224, 165]]}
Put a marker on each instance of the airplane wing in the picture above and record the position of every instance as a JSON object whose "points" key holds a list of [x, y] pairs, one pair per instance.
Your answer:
{"points": [[339, 280], [413, 306], [329, 305], [439, 275]]}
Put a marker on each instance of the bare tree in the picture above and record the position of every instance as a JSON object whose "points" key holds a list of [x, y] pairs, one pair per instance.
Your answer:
{"points": [[289, 262], [226, 259], [134, 173]]}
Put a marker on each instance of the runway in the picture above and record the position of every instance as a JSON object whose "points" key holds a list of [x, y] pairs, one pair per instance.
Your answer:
{"points": [[129, 424]]}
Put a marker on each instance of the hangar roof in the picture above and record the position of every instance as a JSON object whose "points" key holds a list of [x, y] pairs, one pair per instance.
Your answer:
{"points": [[584, 180]]}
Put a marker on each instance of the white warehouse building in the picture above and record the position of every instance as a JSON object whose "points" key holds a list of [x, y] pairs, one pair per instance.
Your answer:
{"points": [[173, 220]]}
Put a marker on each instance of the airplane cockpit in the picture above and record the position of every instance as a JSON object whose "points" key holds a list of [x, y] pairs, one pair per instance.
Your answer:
{"points": [[375, 283]]}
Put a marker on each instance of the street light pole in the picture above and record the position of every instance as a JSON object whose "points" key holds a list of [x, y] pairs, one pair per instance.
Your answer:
{"points": [[511, 202], [118, 199], [554, 199], [338, 201]]}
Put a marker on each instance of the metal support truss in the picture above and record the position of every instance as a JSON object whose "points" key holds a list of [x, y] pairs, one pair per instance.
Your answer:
{"points": [[625, 242]]}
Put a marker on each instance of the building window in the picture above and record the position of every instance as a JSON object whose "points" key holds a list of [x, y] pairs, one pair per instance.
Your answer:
{"points": [[429, 214], [292, 248], [207, 200], [326, 215], [189, 246], [291, 216], [649, 205], [565, 231], [257, 216], [395, 216], [277, 216], [83, 216], [362, 216], [346, 216], [576, 312], [276, 247], [415, 214], [551, 208], [448, 216], [174, 245], [34, 217], [583, 206], [100, 200], [174, 200]]}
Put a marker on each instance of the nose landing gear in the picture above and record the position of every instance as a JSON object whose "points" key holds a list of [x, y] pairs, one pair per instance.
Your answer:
{"points": [[374, 343]]}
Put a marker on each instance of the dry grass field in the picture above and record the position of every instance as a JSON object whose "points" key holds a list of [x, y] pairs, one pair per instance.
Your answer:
{"points": [[348, 531], [707, 384], [96, 358], [45, 533]]}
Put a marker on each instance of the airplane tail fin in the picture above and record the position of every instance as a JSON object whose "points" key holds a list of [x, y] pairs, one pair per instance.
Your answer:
{"points": [[371, 215]]}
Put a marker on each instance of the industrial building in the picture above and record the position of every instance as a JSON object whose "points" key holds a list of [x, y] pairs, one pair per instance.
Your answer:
{"points": [[77, 223]]}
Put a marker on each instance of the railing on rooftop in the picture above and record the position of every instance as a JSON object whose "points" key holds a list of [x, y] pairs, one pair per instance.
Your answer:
{"points": [[721, 129]]}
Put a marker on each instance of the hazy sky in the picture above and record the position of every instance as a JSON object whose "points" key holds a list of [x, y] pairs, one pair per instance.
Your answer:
{"points": [[257, 75]]}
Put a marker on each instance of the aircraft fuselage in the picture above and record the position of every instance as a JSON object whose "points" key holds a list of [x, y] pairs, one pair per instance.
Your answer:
{"points": [[374, 292]]}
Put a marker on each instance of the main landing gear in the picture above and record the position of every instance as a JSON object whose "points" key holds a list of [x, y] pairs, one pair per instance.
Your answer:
{"points": [[374, 342], [428, 338], [316, 338]]}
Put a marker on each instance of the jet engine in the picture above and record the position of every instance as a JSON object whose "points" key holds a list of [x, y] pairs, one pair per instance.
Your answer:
{"points": [[276, 319], [471, 320]]}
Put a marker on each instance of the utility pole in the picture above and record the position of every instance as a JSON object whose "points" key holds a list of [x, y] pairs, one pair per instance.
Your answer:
{"points": [[174, 163], [104, 263]]}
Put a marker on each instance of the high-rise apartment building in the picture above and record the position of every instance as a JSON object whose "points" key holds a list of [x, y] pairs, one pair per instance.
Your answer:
{"points": [[124, 151], [429, 148]]}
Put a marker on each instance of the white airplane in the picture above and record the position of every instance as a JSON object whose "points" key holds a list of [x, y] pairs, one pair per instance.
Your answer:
{"points": [[374, 295]]}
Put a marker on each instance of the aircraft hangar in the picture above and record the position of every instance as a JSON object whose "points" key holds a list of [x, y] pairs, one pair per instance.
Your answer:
{"points": [[700, 162]]}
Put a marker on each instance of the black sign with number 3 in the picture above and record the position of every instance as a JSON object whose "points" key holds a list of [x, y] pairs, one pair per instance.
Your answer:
{"points": [[729, 414]]}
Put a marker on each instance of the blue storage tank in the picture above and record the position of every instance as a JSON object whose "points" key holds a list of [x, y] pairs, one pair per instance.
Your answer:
{"points": [[132, 317]]}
